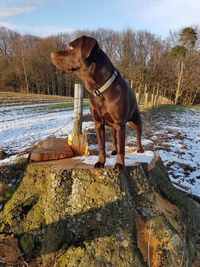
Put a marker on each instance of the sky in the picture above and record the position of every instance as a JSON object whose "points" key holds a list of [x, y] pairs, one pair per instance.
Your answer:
{"points": [[49, 17]]}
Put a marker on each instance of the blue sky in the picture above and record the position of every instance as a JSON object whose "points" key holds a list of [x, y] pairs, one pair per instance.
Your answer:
{"points": [[47, 17]]}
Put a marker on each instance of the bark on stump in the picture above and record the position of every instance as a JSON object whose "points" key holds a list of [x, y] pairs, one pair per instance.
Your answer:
{"points": [[99, 217]]}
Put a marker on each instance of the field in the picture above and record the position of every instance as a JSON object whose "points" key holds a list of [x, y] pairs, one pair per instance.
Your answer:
{"points": [[32, 120], [176, 136], [173, 131], [11, 99]]}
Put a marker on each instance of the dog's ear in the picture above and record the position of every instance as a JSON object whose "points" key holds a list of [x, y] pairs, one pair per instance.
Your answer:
{"points": [[88, 43], [77, 43]]}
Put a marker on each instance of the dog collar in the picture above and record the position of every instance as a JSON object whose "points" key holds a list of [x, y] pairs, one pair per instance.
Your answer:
{"points": [[103, 88]]}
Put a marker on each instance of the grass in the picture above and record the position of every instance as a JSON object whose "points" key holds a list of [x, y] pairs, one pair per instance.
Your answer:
{"points": [[168, 109], [15, 99], [197, 108], [62, 105], [58, 105], [167, 113]]}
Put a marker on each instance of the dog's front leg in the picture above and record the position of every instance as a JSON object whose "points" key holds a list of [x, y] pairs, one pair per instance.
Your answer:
{"points": [[100, 133], [120, 134], [114, 141]]}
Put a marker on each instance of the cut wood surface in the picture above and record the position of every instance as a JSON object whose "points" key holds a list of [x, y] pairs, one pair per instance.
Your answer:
{"points": [[51, 149], [60, 148], [78, 143], [48, 154]]}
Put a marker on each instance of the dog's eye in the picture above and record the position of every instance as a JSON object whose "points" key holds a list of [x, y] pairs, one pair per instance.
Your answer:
{"points": [[70, 48]]}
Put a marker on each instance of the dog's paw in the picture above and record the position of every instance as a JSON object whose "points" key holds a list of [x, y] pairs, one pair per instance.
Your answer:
{"points": [[119, 167], [98, 165], [114, 152], [140, 150]]}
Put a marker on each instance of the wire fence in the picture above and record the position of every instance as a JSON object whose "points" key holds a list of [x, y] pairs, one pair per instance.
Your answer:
{"points": [[30, 125], [33, 136], [91, 134]]}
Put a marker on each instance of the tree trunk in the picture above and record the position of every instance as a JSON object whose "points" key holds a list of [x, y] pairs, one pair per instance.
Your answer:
{"points": [[99, 217], [179, 83], [24, 68]]}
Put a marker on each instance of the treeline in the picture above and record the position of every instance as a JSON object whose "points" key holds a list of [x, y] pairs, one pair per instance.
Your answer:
{"points": [[170, 67]]}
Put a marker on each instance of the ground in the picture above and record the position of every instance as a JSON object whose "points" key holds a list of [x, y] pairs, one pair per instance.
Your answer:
{"points": [[175, 134], [173, 131], [11, 99]]}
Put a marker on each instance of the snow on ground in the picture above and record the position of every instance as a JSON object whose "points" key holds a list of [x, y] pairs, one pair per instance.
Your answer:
{"points": [[185, 151], [177, 140], [22, 126], [11, 159], [176, 137]]}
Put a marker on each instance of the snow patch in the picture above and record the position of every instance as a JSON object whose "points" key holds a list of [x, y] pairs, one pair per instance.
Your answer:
{"points": [[130, 158]]}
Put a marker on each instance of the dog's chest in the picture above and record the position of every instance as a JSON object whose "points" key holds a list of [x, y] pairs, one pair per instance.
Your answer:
{"points": [[100, 108]]}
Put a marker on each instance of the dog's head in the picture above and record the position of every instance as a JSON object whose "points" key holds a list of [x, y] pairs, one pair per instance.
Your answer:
{"points": [[73, 58]]}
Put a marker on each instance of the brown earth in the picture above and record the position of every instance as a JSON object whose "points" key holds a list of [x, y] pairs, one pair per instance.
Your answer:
{"points": [[10, 98]]}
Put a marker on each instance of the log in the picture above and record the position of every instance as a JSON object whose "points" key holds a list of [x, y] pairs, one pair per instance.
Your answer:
{"points": [[99, 217], [50, 149], [79, 143]]}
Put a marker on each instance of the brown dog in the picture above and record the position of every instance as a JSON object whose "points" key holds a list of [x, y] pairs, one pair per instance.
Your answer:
{"points": [[113, 102]]}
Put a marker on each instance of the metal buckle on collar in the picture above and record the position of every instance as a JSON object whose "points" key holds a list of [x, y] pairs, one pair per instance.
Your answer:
{"points": [[97, 93]]}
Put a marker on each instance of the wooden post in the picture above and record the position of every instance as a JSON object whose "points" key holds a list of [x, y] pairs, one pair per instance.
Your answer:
{"points": [[153, 97], [131, 84], [138, 98], [78, 108], [78, 141], [146, 99], [146, 96]]}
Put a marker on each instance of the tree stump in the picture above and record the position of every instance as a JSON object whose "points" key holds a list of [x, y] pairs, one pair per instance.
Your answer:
{"points": [[99, 217]]}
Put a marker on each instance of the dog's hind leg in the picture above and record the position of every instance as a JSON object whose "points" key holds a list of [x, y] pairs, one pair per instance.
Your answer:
{"points": [[136, 123]]}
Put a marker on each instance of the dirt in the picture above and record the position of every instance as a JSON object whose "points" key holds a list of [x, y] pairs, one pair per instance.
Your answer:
{"points": [[10, 98]]}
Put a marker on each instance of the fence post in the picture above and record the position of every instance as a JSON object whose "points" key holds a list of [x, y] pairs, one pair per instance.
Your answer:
{"points": [[131, 84], [146, 99], [78, 108], [137, 98]]}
